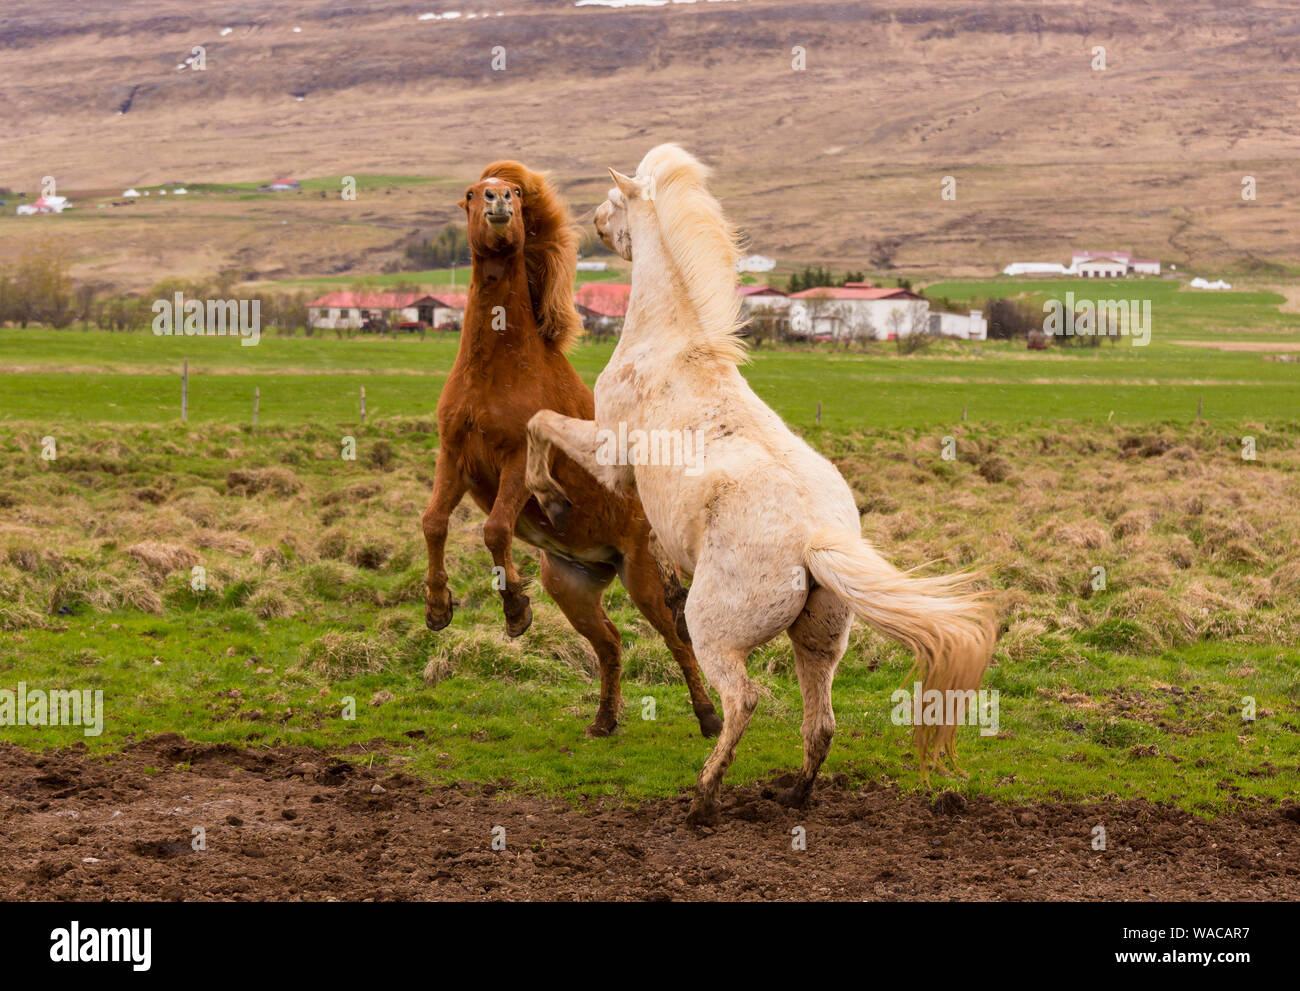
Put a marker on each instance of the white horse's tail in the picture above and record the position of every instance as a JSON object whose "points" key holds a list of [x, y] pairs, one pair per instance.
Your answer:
{"points": [[948, 625]]}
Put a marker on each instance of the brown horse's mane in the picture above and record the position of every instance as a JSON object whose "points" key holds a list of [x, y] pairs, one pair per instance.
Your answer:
{"points": [[550, 252]]}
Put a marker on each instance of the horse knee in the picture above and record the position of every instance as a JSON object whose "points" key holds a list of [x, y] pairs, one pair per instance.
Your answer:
{"points": [[497, 535], [818, 736], [434, 523]]}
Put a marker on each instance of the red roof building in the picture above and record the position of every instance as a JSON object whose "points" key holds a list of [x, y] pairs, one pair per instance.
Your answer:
{"points": [[856, 292], [603, 299], [371, 300]]}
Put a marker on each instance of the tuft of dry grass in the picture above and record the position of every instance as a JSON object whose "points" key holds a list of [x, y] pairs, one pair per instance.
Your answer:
{"points": [[162, 559], [1089, 536]]}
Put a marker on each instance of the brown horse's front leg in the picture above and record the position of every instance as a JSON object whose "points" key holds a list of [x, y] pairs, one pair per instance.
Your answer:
{"points": [[498, 533], [448, 488]]}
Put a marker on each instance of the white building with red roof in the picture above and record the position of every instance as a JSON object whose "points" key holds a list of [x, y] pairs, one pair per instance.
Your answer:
{"points": [[350, 310], [857, 310]]}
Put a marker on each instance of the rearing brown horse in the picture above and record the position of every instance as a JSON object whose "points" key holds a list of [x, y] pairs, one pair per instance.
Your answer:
{"points": [[519, 321]]}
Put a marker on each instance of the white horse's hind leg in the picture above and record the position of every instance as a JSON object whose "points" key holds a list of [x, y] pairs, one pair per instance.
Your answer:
{"points": [[819, 636], [724, 667]]}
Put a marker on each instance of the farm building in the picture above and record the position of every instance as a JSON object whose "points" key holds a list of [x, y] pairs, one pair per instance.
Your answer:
{"points": [[1112, 264], [1036, 268], [603, 305], [755, 263], [343, 310], [1101, 267], [46, 204], [967, 326], [1090, 265], [281, 186], [835, 313], [766, 306]]}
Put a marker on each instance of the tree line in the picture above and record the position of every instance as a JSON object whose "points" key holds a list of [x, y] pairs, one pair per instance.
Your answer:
{"points": [[38, 289]]}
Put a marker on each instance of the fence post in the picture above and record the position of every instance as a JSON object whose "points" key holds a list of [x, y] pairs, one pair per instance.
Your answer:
{"points": [[819, 414], [1199, 407], [185, 391], [257, 401], [363, 404]]}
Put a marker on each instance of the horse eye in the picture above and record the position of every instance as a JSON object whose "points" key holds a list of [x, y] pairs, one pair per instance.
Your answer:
{"points": [[469, 195]]}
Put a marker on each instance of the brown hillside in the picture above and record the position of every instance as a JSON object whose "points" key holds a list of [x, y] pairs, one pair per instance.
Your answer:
{"points": [[840, 163]]}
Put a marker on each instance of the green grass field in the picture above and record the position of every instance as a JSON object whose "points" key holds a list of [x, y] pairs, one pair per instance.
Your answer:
{"points": [[1068, 460]]}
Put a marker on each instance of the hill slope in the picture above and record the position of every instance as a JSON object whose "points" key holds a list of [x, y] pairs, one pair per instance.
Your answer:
{"points": [[841, 162]]}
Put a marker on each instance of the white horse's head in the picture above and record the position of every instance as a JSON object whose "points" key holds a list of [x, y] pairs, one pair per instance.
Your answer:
{"points": [[668, 202], [612, 217]]}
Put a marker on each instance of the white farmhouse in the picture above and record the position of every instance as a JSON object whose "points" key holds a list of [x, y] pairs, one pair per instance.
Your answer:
{"points": [[856, 311]]}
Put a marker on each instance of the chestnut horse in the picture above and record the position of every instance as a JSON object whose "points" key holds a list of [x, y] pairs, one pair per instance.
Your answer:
{"points": [[519, 321]]}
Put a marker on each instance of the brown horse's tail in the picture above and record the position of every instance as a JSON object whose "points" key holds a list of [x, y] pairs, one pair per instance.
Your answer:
{"points": [[948, 625]]}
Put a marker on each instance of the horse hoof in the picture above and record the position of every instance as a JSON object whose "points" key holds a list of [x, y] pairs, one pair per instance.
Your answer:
{"points": [[710, 724], [438, 618], [601, 727], [703, 813], [518, 626]]}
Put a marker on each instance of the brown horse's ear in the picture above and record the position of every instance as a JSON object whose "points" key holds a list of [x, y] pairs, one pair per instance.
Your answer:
{"points": [[628, 186]]}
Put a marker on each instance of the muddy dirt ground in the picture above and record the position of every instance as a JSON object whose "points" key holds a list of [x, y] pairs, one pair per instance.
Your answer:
{"points": [[292, 823]]}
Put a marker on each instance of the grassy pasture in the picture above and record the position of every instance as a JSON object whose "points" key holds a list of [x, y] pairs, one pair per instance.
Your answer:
{"points": [[1069, 460]]}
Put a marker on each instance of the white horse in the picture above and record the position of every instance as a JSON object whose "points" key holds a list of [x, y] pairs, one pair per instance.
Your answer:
{"points": [[735, 499]]}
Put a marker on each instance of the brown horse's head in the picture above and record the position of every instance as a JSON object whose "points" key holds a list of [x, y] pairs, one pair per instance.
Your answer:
{"points": [[550, 244], [494, 208]]}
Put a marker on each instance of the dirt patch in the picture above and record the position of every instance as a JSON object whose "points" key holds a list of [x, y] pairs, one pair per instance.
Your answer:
{"points": [[295, 823]]}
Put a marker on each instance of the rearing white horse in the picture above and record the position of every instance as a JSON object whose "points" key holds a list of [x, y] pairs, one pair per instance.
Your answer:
{"points": [[753, 511]]}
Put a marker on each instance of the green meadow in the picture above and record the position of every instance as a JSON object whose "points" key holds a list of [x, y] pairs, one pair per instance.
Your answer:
{"points": [[1067, 461]]}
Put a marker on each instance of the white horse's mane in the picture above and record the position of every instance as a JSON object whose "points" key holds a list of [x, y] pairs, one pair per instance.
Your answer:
{"points": [[701, 244]]}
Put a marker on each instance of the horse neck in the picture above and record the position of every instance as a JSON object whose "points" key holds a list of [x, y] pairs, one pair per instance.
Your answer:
{"points": [[652, 314], [498, 281]]}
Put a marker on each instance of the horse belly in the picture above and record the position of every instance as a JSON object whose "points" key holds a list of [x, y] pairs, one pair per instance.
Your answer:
{"points": [[667, 509], [532, 532]]}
